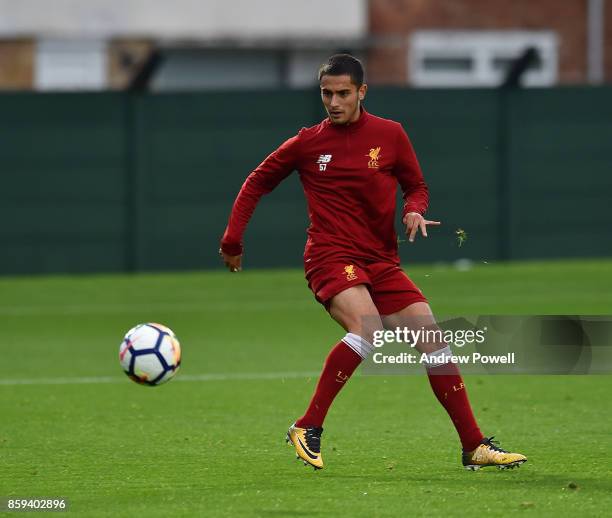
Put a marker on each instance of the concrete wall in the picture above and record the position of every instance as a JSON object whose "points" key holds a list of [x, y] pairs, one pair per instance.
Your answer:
{"points": [[198, 19]]}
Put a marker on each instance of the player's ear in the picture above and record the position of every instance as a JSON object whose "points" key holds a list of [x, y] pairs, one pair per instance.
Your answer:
{"points": [[362, 91]]}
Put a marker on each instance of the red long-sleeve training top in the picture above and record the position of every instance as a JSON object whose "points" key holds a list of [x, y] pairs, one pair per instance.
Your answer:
{"points": [[350, 175]]}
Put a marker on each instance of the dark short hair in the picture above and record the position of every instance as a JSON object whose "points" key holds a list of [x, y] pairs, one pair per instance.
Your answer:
{"points": [[343, 64]]}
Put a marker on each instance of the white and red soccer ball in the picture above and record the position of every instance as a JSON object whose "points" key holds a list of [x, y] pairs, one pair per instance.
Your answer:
{"points": [[150, 354]]}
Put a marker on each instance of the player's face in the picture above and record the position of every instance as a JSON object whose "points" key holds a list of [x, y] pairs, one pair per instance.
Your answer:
{"points": [[341, 98]]}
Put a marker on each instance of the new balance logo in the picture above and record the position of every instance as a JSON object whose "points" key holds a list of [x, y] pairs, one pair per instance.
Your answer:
{"points": [[323, 161]]}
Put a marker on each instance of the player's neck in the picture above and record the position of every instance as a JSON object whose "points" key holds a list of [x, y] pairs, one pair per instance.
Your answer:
{"points": [[354, 122], [356, 116]]}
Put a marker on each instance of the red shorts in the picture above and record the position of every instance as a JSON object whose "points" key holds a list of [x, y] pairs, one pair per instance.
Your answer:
{"points": [[391, 289]]}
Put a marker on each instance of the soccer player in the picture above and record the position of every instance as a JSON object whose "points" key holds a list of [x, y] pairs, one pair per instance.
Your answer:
{"points": [[350, 165]]}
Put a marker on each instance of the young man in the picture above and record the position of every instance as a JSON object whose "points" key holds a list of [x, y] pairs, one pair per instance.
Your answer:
{"points": [[350, 165]]}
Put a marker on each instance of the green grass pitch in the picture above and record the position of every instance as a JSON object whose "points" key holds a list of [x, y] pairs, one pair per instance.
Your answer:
{"points": [[210, 443]]}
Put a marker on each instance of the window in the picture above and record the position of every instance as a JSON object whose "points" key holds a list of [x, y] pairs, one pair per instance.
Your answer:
{"points": [[480, 58], [70, 65]]}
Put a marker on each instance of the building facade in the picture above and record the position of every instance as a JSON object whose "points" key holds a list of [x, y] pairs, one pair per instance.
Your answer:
{"points": [[208, 44]]}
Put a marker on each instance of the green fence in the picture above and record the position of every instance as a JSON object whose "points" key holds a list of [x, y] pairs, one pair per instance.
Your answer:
{"points": [[116, 182]]}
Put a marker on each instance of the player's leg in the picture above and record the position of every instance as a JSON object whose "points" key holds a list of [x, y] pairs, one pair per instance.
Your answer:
{"points": [[444, 378], [402, 304], [449, 388], [354, 310]]}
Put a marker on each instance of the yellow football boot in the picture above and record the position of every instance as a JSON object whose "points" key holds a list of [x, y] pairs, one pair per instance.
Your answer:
{"points": [[307, 444], [489, 454]]}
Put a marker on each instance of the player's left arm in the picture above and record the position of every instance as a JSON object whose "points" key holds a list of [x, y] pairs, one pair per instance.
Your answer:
{"points": [[414, 189]]}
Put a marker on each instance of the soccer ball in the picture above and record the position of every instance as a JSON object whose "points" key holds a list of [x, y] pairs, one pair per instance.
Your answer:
{"points": [[150, 354]]}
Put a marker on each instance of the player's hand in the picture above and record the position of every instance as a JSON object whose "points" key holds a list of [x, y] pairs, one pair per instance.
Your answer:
{"points": [[414, 221], [233, 262]]}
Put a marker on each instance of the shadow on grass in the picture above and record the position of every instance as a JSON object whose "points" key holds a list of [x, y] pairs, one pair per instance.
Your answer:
{"points": [[487, 478]]}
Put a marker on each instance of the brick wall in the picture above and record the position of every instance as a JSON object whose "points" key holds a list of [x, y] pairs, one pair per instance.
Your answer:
{"points": [[568, 18]]}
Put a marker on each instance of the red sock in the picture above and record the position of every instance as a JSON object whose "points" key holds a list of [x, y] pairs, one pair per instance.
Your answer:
{"points": [[338, 368], [450, 391]]}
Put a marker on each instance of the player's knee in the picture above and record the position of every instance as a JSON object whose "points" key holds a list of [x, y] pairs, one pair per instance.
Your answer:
{"points": [[365, 333], [370, 326], [361, 324], [426, 335], [432, 341]]}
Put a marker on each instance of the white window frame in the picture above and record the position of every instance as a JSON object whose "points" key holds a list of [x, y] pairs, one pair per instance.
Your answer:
{"points": [[482, 47]]}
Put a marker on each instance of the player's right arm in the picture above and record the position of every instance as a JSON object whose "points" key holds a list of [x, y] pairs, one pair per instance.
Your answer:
{"points": [[273, 170]]}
